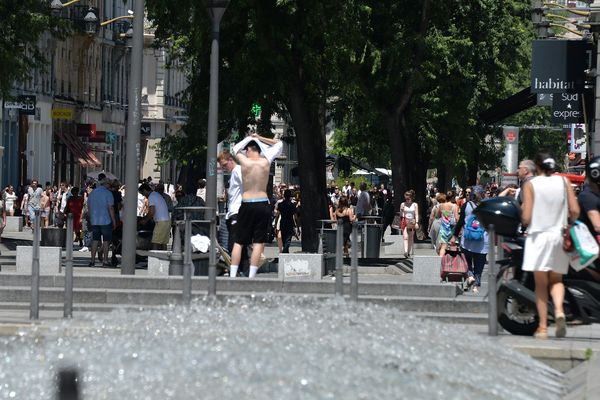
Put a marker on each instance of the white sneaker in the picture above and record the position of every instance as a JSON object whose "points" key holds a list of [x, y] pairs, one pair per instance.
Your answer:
{"points": [[84, 249]]}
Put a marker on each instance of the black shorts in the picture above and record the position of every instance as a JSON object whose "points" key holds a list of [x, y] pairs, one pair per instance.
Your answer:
{"points": [[253, 221]]}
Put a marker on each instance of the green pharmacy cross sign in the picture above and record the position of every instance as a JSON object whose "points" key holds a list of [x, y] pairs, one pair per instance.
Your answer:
{"points": [[256, 110]]}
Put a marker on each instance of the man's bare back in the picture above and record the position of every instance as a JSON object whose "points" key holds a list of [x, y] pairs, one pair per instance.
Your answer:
{"points": [[255, 173]]}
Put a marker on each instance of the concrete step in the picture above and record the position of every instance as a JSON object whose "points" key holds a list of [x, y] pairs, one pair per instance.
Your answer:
{"points": [[259, 285], [12, 310], [461, 304]]}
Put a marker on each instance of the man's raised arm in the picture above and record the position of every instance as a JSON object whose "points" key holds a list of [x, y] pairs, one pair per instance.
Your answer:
{"points": [[274, 149]]}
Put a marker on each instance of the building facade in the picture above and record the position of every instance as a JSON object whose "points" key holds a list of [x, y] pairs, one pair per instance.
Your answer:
{"points": [[79, 118]]}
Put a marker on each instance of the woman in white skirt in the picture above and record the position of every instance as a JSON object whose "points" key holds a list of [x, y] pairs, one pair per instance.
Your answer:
{"points": [[547, 202]]}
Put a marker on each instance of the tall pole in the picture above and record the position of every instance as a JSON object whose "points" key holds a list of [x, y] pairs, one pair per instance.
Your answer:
{"points": [[134, 119], [595, 137], [216, 9]]}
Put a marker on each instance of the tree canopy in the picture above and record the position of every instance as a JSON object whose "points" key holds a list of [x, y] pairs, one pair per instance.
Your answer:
{"points": [[403, 80], [22, 24]]}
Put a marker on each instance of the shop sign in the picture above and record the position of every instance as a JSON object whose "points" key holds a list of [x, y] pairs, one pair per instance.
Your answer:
{"points": [[25, 105], [97, 136], [558, 66], [62, 113], [86, 130], [566, 108]]}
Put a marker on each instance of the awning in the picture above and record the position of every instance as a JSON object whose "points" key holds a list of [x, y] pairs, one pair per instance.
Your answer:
{"points": [[80, 151], [503, 109]]}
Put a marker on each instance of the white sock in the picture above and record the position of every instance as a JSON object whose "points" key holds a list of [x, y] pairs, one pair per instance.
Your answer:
{"points": [[233, 270], [253, 269]]}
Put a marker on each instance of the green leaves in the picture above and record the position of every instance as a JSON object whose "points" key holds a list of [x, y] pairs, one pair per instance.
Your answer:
{"points": [[22, 25]]}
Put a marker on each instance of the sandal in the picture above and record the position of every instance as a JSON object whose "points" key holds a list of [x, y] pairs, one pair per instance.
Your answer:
{"points": [[541, 333], [561, 326]]}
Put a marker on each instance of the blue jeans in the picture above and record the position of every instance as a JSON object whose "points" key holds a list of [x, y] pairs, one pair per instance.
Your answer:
{"points": [[476, 262], [31, 209]]}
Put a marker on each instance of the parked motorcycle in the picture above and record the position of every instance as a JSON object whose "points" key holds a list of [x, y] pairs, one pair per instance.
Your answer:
{"points": [[515, 291]]}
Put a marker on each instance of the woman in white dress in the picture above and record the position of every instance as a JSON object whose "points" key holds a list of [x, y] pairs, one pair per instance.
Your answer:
{"points": [[547, 202], [410, 214], [10, 201]]}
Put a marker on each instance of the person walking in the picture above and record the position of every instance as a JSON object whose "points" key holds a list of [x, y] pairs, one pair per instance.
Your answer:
{"points": [[363, 202], [255, 212], [475, 246], [34, 200], [409, 210], [158, 212], [435, 220], [448, 213], [102, 219], [287, 221], [75, 207], [10, 201], [345, 218], [548, 202]]}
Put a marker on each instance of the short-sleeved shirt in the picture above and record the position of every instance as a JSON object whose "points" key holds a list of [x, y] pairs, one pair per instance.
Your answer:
{"points": [[98, 203], [161, 210], [35, 196], [588, 201]]}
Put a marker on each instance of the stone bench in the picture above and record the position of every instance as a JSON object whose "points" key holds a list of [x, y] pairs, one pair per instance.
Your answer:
{"points": [[158, 262], [14, 224], [301, 266], [426, 269], [394, 245], [50, 260]]}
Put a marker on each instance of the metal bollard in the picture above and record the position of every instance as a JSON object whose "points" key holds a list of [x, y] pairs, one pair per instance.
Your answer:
{"points": [[354, 265], [492, 298], [68, 384], [68, 308], [187, 263], [176, 258], [212, 258], [35, 269], [339, 261]]}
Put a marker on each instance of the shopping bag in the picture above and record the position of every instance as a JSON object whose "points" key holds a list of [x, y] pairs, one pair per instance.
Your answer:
{"points": [[585, 246]]}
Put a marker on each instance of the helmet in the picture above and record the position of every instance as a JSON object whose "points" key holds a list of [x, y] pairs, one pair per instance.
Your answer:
{"points": [[502, 212], [593, 170]]}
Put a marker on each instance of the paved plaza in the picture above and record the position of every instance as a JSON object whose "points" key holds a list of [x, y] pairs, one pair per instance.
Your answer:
{"points": [[582, 342]]}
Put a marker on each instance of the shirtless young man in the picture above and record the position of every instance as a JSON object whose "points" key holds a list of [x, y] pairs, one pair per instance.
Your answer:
{"points": [[254, 214]]}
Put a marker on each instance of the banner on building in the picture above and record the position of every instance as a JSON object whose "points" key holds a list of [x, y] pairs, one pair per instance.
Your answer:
{"points": [[577, 138]]}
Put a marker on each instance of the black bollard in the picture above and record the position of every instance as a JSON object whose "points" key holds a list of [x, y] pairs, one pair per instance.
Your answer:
{"points": [[68, 307], [68, 385]]}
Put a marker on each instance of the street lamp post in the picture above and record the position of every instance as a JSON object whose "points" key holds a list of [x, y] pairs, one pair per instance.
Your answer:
{"points": [[134, 119], [216, 9]]}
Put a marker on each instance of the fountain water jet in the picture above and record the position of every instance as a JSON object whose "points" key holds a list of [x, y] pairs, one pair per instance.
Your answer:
{"points": [[268, 347]]}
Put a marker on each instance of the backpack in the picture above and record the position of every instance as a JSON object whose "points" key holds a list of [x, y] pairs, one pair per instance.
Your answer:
{"points": [[473, 230]]}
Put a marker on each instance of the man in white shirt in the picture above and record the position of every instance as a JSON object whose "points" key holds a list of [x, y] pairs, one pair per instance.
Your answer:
{"points": [[234, 193], [159, 212], [255, 155]]}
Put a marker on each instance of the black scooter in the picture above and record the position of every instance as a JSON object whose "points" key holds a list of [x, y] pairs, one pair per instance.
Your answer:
{"points": [[517, 312], [515, 291]]}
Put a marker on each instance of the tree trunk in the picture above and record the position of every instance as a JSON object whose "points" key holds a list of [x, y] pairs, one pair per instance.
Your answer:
{"points": [[392, 124], [308, 119]]}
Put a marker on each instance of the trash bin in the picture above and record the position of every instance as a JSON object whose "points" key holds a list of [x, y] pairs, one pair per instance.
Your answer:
{"points": [[329, 240], [373, 240], [54, 237]]}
